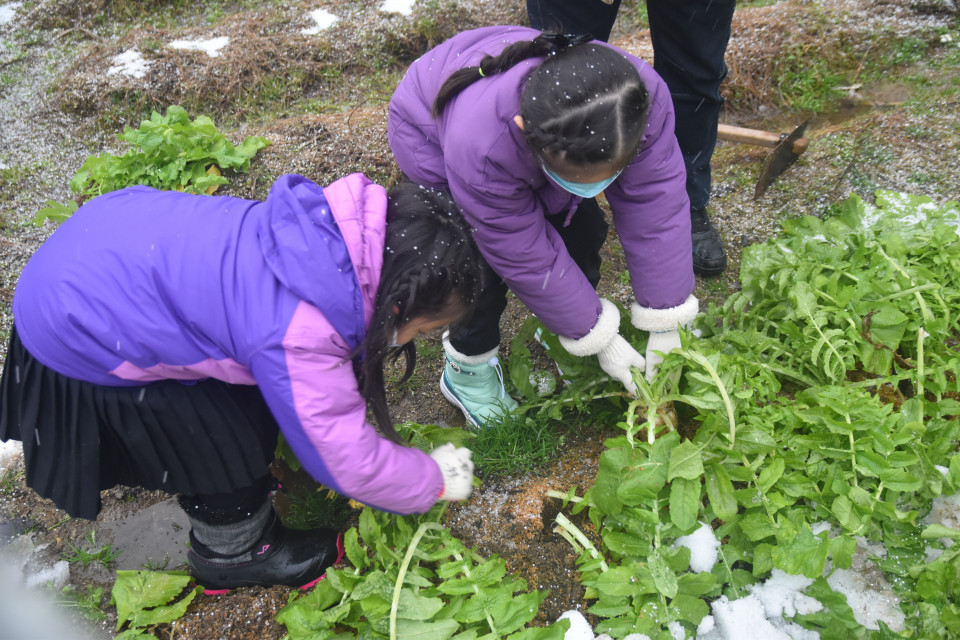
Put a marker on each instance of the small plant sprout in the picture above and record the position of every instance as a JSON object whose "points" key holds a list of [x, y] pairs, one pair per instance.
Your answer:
{"points": [[105, 554]]}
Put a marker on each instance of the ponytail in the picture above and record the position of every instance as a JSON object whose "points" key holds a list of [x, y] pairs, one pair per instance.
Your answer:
{"points": [[545, 44]]}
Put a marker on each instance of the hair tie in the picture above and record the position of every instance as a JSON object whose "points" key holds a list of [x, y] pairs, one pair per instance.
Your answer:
{"points": [[480, 69], [562, 41]]}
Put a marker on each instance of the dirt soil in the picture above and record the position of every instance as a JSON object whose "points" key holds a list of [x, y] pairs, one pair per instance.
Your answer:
{"points": [[59, 102]]}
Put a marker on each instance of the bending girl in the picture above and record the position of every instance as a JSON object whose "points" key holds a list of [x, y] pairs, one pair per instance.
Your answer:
{"points": [[524, 128], [161, 339]]}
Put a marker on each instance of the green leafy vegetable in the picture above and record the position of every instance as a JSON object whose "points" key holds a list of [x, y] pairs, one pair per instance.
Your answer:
{"points": [[147, 598], [169, 152]]}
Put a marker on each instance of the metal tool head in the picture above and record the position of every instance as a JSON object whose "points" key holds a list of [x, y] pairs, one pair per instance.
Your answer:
{"points": [[784, 155]]}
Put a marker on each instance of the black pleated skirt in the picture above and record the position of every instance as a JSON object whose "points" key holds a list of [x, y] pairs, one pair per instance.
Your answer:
{"points": [[80, 438]]}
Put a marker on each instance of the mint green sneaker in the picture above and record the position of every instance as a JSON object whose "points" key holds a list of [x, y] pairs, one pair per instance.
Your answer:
{"points": [[474, 384]]}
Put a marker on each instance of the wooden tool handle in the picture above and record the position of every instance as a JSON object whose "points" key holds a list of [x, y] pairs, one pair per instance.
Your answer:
{"points": [[757, 137]]}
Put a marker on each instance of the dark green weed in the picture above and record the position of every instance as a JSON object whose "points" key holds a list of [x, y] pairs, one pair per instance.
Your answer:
{"points": [[320, 508], [105, 554], [516, 443], [88, 601]]}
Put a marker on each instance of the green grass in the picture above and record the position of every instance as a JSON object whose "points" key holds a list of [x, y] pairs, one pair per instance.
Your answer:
{"points": [[808, 83], [516, 444], [429, 350], [105, 554], [156, 565], [317, 509], [10, 480], [87, 601], [715, 288]]}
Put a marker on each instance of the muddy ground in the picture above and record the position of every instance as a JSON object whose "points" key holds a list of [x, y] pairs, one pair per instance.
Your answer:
{"points": [[320, 99]]}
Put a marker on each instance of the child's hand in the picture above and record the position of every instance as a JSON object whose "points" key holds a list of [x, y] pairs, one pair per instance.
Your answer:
{"points": [[613, 352], [456, 466]]}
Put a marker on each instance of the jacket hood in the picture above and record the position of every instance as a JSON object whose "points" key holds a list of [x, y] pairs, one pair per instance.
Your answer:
{"points": [[326, 246]]}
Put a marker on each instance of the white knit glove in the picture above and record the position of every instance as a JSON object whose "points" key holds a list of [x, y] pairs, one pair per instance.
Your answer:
{"points": [[615, 354], [664, 342], [663, 327], [456, 466]]}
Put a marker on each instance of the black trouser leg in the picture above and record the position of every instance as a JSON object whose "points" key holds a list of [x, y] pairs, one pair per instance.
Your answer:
{"points": [[576, 17], [583, 238], [689, 42]]}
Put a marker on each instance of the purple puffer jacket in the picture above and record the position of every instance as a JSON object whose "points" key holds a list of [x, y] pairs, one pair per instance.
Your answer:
{"points": [[477, 152], [142, 285]]}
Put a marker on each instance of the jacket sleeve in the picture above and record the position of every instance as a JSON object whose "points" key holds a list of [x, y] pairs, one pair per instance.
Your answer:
{"points": [[519, 244], [309, 384], [651, 212]]}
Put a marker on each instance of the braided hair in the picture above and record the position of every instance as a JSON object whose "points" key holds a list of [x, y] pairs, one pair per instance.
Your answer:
{"points": [[431, 267], [585, 104]]}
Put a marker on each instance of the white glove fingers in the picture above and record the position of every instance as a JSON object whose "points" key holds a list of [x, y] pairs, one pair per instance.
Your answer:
{"points": [[456, 467]]}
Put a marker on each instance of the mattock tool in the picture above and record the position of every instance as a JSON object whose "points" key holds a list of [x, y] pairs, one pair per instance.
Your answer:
{"points": [[787, 147]]}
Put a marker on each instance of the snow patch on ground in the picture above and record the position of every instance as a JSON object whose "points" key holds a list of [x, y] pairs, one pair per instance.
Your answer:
{"points": [[323, 19], [9, 452], [782, 595], [129, 63], [211, 47], [32, 565], [403, 7], [945, 510], [8, 11], [704, 548], [28, 614], [743, 618], [579, 629], [867, 591]]}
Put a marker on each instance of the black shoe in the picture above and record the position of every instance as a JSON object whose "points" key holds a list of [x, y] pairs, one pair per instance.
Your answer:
{"points": [[709, 256], [281, 556]]}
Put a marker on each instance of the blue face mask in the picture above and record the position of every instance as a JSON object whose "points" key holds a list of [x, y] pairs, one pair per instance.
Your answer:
{"points": [[582, 189]]}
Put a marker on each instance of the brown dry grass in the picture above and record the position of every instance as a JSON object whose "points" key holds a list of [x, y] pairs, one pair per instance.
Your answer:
{"points": [[269, 62]]}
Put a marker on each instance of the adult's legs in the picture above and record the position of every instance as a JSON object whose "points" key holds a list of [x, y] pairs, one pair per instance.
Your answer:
{"points": [[575, 17], [689, 42]]}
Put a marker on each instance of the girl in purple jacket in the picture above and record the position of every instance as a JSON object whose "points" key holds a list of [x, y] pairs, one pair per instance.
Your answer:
{"points": [[524, 128], [161, 340]]}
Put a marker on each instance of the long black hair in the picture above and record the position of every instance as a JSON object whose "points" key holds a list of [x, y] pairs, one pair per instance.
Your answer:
{"points": [[431, 267], [584, 104]]}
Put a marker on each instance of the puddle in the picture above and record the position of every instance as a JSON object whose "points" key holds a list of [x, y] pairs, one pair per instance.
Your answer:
{"points": [[154, 538]]}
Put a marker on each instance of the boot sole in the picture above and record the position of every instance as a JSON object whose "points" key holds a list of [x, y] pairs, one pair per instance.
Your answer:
{"points": [[715, 271], [455, 401]]}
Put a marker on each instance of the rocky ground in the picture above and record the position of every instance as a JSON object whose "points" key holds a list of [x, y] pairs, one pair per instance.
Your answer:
{"points": [[60, 102]]}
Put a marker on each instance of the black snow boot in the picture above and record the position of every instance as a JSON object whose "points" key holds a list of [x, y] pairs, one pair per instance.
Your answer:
{"points": [[709, 256], [280, 556]]}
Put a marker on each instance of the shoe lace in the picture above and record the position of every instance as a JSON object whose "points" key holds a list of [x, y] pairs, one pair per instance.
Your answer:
{"points": [[495, 363]]}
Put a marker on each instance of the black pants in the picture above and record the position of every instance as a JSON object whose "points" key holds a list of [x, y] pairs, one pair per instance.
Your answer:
{"points": [[689, 41], [583, 238]]}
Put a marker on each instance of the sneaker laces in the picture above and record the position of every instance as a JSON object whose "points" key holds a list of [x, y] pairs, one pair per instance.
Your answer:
{"points": [[495, 363]]}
